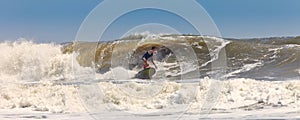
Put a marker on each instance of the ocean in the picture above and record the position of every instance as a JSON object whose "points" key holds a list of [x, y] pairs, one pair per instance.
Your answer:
{"points": [[198, 77]]}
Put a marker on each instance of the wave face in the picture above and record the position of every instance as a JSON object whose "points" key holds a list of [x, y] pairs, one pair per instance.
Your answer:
{"points": [[268, 59]]}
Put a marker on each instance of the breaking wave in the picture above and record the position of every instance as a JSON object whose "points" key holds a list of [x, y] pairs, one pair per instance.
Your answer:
{"points": [[46, 77]]}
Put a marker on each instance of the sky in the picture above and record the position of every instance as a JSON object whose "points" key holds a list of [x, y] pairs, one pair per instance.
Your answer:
{"points": [[59, 20]]}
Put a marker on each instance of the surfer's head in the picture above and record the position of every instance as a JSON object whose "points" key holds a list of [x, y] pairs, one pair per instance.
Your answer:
{"points": [[154, 49]]}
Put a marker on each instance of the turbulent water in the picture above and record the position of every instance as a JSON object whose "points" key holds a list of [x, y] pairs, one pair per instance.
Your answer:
{"points": [[83, 76]]}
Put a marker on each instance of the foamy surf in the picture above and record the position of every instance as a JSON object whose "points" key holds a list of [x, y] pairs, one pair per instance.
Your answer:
{"points": [[168, 97]]}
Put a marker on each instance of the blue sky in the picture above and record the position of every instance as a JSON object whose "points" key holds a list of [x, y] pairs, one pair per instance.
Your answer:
{"points": [[59, 20]]}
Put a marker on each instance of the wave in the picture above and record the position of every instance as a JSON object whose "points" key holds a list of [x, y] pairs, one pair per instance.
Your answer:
{"points": [[257, 59], [47, 77], [277, 57]]}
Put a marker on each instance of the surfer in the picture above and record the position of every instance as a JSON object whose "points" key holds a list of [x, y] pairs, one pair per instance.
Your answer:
{"points": [[147, 55]]}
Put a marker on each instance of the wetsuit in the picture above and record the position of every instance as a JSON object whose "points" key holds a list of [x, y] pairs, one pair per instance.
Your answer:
{"points": [[147, 55]]}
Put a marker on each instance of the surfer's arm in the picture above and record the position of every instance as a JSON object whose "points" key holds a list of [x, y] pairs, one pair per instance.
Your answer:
{"points": [[153, 62]]}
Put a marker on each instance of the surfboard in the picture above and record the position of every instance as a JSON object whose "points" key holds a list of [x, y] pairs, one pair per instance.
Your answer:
{"points": [[146, 73]]}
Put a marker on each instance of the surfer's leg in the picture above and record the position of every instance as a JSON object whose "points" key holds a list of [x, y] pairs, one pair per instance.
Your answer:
{"points": [[146, 64]]}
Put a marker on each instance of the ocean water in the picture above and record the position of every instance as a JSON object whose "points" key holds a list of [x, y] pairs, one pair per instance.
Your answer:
{"points": [[98, 78]]}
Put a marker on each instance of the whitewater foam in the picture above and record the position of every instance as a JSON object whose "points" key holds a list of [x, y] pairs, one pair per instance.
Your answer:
{"points": [[234, 94], [245, 68], [40, 97], [215, 51], [25, 61]]}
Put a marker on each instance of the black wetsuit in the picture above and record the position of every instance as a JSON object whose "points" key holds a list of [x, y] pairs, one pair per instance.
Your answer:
{"points": [[147, 55]]}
